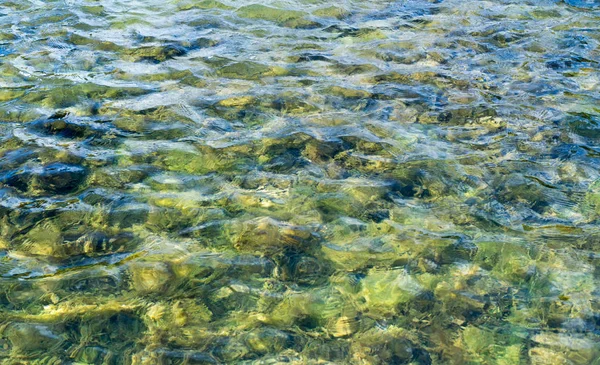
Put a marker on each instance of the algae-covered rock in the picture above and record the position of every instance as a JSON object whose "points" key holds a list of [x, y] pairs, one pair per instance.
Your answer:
{"points": [[65, 128], [155, 53], [332, 205], [562, 348], [332, 12], [11, 94], [205, 4], [80, 40], [302, 269], [507, 260], [591, 204], [120, 177], [484, 344], [290, 104], [31, 339], [53, 178], [248, 70], [268, 340], [305, 310], [347, 93], [18, 115], [387, 345], [361, 253], [382, 291], [237, 101], [288, 18], [267, 234], [65, 96], [150, 277], [92, 354], [127, 214]]}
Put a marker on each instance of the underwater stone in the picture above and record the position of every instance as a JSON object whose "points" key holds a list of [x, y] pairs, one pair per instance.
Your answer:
{"points": [[387, 346], [592, 200], [344, 326], [332, 11], [205, 4], [233, 350], [54, 178], [459, 250], [267, 234], [156, 53], [58, 178], [249, 70], [361, 253], [91, 354], [202, 43], [292, 105], [30, 338], [128, 214], [303, 269], [199, 268], [288, 18], [100, 243], [150, 277], [348, 93], [119, 177], [237, 101], [79, 40], [10, 94], [383, 290], [63, 128], [65, 96], [268, 340]]}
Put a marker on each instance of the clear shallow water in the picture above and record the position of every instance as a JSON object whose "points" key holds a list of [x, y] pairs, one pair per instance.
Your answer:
{"points": [[380, 182]]}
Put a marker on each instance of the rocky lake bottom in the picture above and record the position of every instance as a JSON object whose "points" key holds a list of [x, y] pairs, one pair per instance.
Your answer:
{"points": [[310, 182]]}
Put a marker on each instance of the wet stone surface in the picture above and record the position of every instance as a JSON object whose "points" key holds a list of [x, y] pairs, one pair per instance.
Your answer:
{"points": [[310, 182]]}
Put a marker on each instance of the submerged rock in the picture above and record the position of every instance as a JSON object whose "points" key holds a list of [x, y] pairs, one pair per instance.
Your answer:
{"points": [[386, 346], [64, 128], [270, 235], [205, 4], [31, 338], [59, 178], [53, 178], [287, 18], [382, 291], [150, 277], [332, 11], [156, 53], [248, 70], [268, 340]]}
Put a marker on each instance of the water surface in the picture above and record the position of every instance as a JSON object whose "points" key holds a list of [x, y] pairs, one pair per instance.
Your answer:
{"points": [[304, 182]]}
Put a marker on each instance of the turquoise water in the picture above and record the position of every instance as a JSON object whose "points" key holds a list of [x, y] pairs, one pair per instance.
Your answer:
{"points": [[308, 182]]}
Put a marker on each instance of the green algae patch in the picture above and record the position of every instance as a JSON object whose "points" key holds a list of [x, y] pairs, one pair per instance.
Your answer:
{"points": [[7, 94], [257, 11], [332, 12], [250, 71], [94, 10], [217, 182], [108, 46], [347, 93], [155, 53], [205, 4], [69, 95], [591, 205], [288, 18], [237, 101]]}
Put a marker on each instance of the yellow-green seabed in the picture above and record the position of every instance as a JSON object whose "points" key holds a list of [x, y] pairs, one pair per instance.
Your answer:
{"points": [[310, 182]]}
